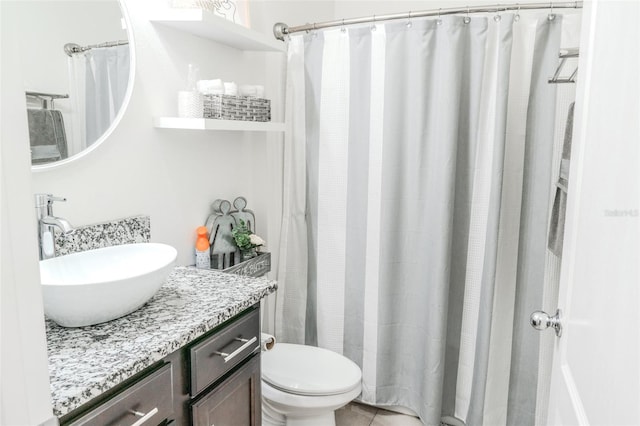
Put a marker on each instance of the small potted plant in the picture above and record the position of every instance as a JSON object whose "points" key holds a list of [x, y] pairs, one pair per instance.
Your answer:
{"points": [[246, 241]]}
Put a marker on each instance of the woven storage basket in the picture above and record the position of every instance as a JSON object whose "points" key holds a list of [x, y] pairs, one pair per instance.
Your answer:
{"points": [[244, 108]]}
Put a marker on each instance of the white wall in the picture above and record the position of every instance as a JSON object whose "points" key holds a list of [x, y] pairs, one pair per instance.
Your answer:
{"points": [[265, 13], [47, 26], [358, 8]]}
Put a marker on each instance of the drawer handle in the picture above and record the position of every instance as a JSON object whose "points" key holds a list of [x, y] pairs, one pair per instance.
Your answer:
{"points": [[144, 416], [228, 357]]}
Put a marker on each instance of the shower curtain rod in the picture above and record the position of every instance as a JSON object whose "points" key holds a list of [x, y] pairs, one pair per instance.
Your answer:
{"points": [[280, 30], [71, 48], [46, 95], [46, 99]]}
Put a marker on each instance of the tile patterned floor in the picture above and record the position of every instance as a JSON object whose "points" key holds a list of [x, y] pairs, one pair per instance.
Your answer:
{"points": [[356, 414]]}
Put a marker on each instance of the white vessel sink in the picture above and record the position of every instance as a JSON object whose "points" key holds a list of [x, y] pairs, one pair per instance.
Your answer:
{"points": [[100, 285]]}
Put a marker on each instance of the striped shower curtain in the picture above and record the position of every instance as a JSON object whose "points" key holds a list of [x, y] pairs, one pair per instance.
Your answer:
{"points": [[402, 238]]}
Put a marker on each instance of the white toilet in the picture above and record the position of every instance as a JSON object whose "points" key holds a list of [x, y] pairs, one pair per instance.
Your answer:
{"points": [[304, 385]]}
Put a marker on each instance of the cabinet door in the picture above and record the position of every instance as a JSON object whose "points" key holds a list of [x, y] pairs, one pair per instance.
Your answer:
{"points": [[236, 401]]}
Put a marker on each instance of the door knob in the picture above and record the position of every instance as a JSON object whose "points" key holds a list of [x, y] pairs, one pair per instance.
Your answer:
{"points": [[541, 320]]}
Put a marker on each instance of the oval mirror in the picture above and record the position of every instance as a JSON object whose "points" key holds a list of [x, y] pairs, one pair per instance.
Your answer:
{"points": [[78, 67]]}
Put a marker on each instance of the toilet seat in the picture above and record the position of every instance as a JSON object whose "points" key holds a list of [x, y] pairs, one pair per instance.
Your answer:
{"points": [[309, 371]]}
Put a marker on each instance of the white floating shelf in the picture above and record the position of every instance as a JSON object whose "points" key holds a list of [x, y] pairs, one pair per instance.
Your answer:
{"points": [[209, 124], [206, 24]]}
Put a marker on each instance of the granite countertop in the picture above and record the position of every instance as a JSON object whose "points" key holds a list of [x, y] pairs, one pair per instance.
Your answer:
{"points": [[85, 362]]}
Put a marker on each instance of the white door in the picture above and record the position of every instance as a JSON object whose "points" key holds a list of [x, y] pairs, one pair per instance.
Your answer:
{"points": [[596, 372]]}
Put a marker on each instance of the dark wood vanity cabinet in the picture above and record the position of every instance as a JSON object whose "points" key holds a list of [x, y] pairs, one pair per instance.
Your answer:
{"points": [[225, 375], [214, 380], [236, 401]]}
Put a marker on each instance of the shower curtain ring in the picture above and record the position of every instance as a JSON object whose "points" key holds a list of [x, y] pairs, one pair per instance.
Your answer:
{"points": [[409, 24], [467, 18], [497, 16], [373, 26], [516, 17], [552, 15], [438, 20], [343, 29]]}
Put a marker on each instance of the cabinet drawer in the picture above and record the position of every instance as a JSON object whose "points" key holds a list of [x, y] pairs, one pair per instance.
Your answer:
{"points": [[135, 405], [213, 357], [235, 401]]}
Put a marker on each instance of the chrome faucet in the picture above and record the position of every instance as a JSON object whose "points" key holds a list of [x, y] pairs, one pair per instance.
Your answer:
{"points": [[47, 223]]}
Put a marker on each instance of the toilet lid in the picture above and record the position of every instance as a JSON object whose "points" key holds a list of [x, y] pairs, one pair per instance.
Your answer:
{"points": [[307, 370]]}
